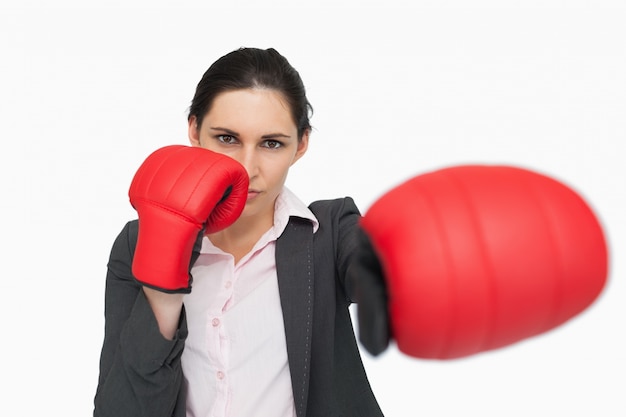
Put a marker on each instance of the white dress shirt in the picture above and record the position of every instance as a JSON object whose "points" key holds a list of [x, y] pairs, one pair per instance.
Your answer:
{"points": [[235, 358]]}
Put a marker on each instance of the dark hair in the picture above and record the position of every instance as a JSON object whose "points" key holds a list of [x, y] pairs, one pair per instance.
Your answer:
{"points": [[253, 68]]}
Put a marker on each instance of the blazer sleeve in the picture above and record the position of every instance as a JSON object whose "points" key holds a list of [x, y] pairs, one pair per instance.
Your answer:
{"points": [[344, 216], [140, 370]]}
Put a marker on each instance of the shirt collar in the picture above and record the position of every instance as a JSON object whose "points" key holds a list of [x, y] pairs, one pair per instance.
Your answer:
{"points": [[289, 205]]}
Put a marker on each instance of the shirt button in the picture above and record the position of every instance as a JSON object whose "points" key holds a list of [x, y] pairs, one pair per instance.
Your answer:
{"points": [[228, 284], [220, 375], [215, 322]]}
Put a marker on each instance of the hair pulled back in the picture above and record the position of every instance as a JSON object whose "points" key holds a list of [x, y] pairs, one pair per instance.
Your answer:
{"points": [[248, 68]]}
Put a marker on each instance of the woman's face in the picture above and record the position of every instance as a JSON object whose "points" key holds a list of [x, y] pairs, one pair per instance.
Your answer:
{"points": [[255, 127]]}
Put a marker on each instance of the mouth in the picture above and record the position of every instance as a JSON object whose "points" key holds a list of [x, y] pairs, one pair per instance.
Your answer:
{"points": [[252, 194]]}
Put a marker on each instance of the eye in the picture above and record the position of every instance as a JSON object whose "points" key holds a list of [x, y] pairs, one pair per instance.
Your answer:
{"points": [[227, 139], [272, 144]]}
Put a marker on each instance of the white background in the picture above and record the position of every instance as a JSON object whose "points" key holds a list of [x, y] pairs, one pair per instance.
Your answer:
{"points": [[88, 89]]}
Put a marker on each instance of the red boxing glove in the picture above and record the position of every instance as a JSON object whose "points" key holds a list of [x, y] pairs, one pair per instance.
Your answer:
{"points": [[475, 258], [179, 191]]}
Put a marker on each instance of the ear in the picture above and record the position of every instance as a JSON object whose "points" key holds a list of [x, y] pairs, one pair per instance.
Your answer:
{"points": [[303, 145], [194, 132]]}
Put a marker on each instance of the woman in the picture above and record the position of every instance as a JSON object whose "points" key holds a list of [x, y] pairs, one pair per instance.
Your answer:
{"points": [[266, 329]]}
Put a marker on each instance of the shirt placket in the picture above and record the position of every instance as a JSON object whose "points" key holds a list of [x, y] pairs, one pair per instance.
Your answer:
{"points": [[219, 343]]}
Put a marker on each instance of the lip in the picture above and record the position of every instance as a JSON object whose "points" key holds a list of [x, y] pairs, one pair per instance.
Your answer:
{"points": [[252, 194]]}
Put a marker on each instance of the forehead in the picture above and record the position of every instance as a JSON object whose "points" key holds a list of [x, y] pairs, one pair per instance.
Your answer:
{"points": [[251, 107]]}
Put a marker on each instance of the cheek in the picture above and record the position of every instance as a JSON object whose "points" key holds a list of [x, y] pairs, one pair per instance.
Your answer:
{"points": [[278, 171], [205, 142]]}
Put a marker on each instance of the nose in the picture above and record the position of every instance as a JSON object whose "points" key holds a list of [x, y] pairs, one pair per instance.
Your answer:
{"points": [[248, 158]]}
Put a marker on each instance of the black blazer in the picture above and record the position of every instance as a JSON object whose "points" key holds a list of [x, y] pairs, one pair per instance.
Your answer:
{"points": [[140, 371]]}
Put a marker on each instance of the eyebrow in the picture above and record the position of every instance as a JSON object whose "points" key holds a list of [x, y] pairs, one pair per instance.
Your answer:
{"points": [[233, 133]]}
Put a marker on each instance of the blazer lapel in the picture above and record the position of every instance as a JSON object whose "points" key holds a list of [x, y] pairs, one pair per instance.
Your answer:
{"points": [[294, 267]]}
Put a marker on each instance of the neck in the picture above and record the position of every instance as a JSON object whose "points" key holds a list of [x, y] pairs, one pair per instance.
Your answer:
{"points": [[241, 236]]}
